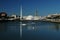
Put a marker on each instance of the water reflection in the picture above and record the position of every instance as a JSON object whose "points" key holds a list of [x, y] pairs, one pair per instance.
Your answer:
{"points": [[57, 26], [31, 26], [39, 25], [10, 30], [3, 26], [41, 31]]}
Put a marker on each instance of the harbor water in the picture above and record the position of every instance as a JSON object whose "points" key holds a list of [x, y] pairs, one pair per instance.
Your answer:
{"points": [[30, 30], [40, 31], [9, 30]]}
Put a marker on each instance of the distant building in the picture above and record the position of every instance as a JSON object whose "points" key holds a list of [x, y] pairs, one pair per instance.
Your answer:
{"points": [[3, 15], [14, 16], [37, 17], [53, 16], [30, 17]]}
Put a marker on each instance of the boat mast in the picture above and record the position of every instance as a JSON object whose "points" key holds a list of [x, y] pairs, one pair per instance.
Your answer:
{"points": [[21, 22], [21, 12], [36, 12]]}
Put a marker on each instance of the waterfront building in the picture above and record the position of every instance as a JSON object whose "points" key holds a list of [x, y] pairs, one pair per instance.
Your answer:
{"points": [[54, 16], [3, 15], [30, 17], [14, 16], [37, 17]]}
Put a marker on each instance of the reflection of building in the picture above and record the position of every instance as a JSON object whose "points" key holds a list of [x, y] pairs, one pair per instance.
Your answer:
{"points": [[3, 26], [57, 26]]}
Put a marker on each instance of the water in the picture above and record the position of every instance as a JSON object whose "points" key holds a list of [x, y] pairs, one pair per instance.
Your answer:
{"points": [[10, 30], [40, 31], [30, 31]]}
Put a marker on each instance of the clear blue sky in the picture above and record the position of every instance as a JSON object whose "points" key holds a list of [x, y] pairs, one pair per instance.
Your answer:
{"points": [[44, 7], [10, 6]]}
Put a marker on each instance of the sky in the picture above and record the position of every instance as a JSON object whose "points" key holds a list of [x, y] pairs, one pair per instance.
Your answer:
{"points": [[10, 6], [44, 7]]}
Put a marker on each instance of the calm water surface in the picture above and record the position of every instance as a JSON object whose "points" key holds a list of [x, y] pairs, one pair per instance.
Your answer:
{"points": [[9, 30], [40, 31]]}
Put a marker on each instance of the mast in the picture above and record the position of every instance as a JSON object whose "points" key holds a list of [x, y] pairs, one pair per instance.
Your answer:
{"points": [[21, 12], [36, 12], [21, 22]]}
